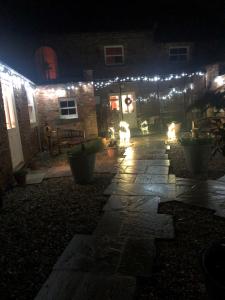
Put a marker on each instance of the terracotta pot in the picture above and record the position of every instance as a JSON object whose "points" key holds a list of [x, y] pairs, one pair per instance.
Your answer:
{"points": [[112, 152]]}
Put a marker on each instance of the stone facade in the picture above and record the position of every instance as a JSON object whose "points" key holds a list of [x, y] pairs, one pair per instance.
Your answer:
{"points": [[48, 107], [5, 158], [28, 135]]}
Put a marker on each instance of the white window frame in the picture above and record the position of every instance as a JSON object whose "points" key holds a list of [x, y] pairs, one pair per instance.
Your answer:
{"points": [[31, 105], [67, 99], [114, 55], [178, 60]]}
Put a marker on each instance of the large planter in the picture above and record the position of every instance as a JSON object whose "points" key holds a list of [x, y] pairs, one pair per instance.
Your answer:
{"points": [[197, 157], [213, 264], [82, 167]]}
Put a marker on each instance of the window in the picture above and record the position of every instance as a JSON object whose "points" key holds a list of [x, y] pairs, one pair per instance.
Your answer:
{"points": [[114, 55], [9, 108], [178, 54], [126, 102], [68, 108], [31, 107]]}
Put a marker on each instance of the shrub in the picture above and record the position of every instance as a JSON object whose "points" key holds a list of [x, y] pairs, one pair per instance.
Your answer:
{"points": [[87, 147]]}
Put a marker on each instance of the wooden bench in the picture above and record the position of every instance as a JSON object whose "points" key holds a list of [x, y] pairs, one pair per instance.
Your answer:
{"points": [[69, 137]]}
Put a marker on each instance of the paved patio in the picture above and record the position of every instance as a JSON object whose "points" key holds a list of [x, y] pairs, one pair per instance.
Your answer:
{"points": [[106, 264]]}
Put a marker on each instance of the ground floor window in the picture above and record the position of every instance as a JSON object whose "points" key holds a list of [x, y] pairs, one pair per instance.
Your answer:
{"points": [[127, 102], [68, 108]]}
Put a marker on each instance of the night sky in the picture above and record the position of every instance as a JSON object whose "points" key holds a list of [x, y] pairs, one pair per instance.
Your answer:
{"points": [[22, 23], [49, 16]]}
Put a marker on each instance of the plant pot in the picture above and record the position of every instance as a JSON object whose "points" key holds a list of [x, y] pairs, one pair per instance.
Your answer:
{"points": [[112, 152], [213, 264], [197, 158], [20, 179], [82, 167]]}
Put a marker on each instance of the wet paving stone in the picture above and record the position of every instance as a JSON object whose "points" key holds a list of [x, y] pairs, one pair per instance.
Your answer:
{"points": [[138, 257], [167, 191], [100, 287], [142, 204], [209, 194], [157, 170], [156, 179], [129, 178]]}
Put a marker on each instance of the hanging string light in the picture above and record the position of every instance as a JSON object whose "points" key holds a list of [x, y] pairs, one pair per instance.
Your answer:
{"points": [[156, 78], [173, 92]]}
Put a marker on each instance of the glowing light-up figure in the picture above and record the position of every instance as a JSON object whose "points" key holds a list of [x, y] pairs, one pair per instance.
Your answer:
{"points": [[144, 127], [171, 133], [124, 133]]}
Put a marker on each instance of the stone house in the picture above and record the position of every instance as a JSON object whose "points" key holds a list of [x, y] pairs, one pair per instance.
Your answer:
{"points": [[116, 60], [18, 123], [25, 109], [67, 106]]}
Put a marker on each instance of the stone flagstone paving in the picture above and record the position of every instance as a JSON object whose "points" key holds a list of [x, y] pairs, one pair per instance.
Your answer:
{"points": [[105, 265]]}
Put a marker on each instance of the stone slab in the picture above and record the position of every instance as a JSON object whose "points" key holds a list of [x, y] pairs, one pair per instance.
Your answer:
{"points": [[157, 170], [138, 257], [129, 178], [35, 177], [156, 179], [142, 204], [135, 189]]}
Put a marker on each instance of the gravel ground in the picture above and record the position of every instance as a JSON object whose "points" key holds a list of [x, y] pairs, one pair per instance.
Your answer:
{"points": [[216, 165], [177, 273], [36, 224]]}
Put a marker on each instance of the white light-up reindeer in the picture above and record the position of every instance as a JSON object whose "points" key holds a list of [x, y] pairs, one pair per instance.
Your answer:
{"points": [[124, 133], [144, 127]]}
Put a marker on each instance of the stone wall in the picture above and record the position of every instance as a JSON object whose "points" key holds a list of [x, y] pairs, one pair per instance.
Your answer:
{"points": [[5, 158], [28, 134], [49, 110], [149, 107], [142, 54]]}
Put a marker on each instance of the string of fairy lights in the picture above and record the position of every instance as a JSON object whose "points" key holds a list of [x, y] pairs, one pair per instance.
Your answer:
{"points": [[17, 79], [102, 84]]}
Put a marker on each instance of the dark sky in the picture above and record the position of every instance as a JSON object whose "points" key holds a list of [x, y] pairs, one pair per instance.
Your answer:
{"points": [[50, 16]]}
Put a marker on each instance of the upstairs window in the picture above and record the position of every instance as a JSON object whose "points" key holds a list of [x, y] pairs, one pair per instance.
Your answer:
{"points": [[114, 55], [68, 108], [178, 54]]}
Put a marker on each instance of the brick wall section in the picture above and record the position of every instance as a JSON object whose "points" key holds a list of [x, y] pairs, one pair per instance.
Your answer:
{"points": [[5, 157], [28, 133], [48, 108]]}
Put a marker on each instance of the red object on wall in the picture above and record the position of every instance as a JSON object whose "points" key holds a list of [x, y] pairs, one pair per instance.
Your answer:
{"points": [[46, 61]]}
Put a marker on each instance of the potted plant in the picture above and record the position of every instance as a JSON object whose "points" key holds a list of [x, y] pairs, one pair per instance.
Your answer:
{"points": [[82, 160], [197, 152], [112, 149], [20, 176]]}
